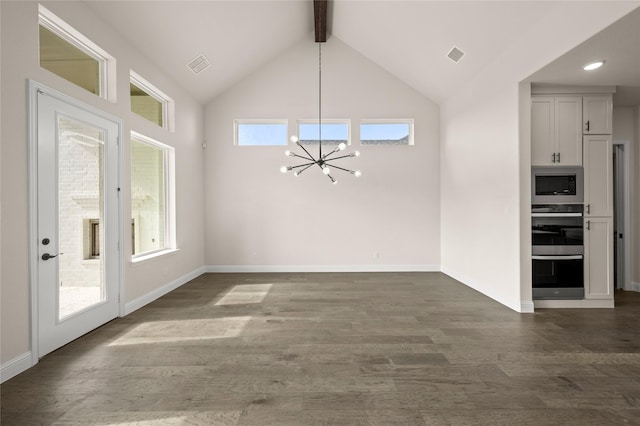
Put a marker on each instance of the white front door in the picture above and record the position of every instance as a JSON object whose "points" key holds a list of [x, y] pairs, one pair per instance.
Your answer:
{"points": [[77, 221]]}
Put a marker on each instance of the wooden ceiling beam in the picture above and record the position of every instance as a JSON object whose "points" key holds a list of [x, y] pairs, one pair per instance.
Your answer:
{"points": [[320, 20]]}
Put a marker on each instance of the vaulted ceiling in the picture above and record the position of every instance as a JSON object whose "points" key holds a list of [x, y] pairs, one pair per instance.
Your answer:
{"points": [[410, 39]]}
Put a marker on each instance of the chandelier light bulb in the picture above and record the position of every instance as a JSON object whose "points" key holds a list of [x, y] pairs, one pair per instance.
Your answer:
{"points": [[296, 173], [342, 146], [287, 153], [357, 173], [294, 139], [326, 170], [335, 182], [284, 169]]}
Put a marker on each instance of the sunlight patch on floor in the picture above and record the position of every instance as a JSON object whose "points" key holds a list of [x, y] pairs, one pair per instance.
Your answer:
{"points": [[243, 294], [154, 418], [183, 330]]}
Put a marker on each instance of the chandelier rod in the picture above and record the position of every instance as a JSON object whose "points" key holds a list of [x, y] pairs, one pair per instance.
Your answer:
{"points": [[320, 100]]}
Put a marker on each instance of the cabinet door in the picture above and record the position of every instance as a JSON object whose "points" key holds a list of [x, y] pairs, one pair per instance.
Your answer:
{"points": [[542, 131], [598, 175], [598, 114], [568, 131], [598, 258]]}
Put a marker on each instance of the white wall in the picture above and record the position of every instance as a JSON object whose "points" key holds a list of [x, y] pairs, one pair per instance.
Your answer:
{"points": [[257, 216], [484, 189], [19, 63]]}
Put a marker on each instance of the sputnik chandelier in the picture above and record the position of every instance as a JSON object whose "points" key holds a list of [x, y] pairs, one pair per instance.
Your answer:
{"points": [[323, 161]]}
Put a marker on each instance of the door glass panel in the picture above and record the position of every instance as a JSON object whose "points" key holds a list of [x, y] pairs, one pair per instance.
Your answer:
{"points": [[80, 216]]}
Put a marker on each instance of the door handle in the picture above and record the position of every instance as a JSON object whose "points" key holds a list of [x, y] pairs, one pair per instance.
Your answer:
{"points": [[48, 256], [588, 123], [588, 207], [588, 225]]}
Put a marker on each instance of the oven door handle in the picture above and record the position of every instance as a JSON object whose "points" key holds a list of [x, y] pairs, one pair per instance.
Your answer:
{"points": [[571, 257], [556, 214]]}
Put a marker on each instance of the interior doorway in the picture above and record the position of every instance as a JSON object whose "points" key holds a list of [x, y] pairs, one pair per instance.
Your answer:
{"points": [[621, 216]]}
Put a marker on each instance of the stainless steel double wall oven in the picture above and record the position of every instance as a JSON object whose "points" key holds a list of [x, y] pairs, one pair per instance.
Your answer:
{"points": [[557, 232]]}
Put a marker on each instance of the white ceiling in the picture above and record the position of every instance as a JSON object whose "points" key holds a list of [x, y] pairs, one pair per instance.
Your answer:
{"points": [[619, 46], [410, 39]]}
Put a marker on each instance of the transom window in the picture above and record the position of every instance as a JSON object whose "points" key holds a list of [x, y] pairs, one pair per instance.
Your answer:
{"points": [[260, 132], [334, 132], [70, 55], [149, 102], [386, 132]]}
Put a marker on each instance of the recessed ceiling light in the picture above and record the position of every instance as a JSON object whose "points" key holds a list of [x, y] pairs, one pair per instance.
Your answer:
{"points": [[593, 66]]}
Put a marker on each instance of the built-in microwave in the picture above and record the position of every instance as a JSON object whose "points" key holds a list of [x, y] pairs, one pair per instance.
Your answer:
{"points": [[551, 185]]}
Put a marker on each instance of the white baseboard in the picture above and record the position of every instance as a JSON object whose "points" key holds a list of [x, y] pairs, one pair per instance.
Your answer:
{"points": [[319, 268], [526, 307], [634, 286], [578, 304], [15, 366], [138, 303]]}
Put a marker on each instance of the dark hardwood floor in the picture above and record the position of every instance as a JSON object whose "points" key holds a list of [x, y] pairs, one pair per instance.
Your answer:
{"points": [[339, 349]]}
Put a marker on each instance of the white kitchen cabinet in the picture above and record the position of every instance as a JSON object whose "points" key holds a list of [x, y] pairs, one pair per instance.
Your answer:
{"points": [[556, 130], [542, 130], [598, 176], [597, 111], [598, 258]]}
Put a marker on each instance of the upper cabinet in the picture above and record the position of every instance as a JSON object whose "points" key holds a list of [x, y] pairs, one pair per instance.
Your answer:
{"points": [[558, 123], [597, 114], [556, 130]]}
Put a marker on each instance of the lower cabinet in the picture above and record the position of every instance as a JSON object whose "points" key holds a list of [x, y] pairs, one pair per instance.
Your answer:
{"points": [[598, 258]]}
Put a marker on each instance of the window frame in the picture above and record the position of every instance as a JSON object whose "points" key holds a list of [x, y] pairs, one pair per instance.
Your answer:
{"points": [[409, 121], [346, 121], [168, 104], [170, 198], [239, 121], [106, 62]]}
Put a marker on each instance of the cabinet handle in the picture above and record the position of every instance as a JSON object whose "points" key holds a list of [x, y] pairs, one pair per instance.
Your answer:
{"points": [[553, 157], [588, 123], [588, 208], [558, 157], [588, 225]]}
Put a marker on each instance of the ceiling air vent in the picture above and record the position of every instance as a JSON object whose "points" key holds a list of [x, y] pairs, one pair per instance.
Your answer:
{"points": [[199, 64], [455, 54]]}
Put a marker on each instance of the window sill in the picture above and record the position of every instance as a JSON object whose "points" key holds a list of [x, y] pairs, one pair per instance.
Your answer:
{"points": [[153, 256]]}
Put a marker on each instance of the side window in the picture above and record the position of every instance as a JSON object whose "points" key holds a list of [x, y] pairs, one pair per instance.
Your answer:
{"points": [[334, 132], [70, 55], [152, 196], [260, 132], [386, 132], [149, 102]]}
